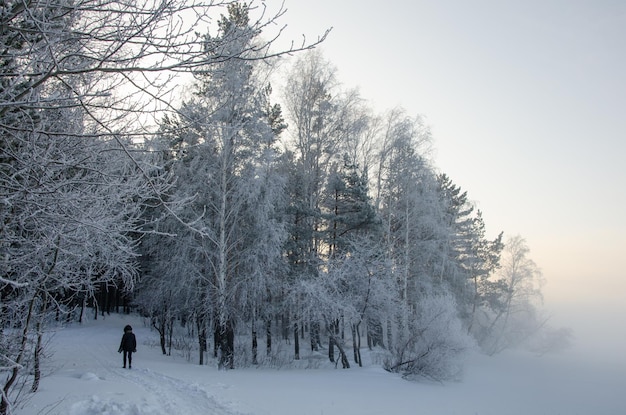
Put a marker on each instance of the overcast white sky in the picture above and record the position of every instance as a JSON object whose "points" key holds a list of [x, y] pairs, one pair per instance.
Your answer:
{"points": [[527, 104]]}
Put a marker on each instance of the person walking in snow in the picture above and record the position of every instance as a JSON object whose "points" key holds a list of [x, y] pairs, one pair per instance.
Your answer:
{"points": [[128, 345]]}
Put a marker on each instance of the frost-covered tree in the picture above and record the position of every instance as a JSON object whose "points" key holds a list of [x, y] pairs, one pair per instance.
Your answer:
{"points": [[70, 194], [223, 148], [437, 344], [367, 294], [414, 231], [481, 261], [70, 205], [457, 214], [322, 118], [511, 312], [468, 258], [347, 207], [349, 215], [408, 212]]}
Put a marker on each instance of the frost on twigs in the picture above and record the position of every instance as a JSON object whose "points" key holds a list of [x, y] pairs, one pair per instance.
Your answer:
{"points": [[436, 346]]}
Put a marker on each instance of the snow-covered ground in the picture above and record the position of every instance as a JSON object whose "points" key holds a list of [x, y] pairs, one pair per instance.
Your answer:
{"points": [[85, 377]]}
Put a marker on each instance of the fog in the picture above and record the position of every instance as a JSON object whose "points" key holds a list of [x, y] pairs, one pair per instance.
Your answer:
{"points": [[596, 319]]}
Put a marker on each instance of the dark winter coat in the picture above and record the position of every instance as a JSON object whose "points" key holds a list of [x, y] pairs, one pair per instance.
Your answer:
{"points": [[129, 343]]}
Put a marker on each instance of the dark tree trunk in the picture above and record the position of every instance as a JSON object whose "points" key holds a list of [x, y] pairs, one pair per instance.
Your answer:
{"points": [[201, 339], [296, 342], [160, 328], [104, 297], [126, 304], [333, 331], [285, 323], [255, 348], [170, 334], [315, 336], [37, 361], [39, 349], [82, 310], [356, 344], [268, 336], [227, 345], [216, 340], [389, 334]]}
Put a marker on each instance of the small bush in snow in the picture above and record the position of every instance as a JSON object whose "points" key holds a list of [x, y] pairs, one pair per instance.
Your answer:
{"points": [[435, 343]]}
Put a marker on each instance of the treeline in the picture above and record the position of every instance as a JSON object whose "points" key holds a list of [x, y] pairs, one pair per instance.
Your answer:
{"points": [[316, 220], [238, 217]]}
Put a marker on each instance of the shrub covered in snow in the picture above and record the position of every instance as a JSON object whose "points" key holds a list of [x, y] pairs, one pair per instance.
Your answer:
{"points": [[437, 344]]}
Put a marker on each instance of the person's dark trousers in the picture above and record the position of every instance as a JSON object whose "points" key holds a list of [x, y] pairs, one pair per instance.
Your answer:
{"points": [[130, 359]]}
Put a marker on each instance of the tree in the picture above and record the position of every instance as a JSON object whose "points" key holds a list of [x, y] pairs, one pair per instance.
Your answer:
{"points": [[481, 260], [222, 144], [67, 225], [349, 213], [512, 314], [322, 116], [367, 294], [347, 207], [410, 221], [436, 346], [457, 217]]}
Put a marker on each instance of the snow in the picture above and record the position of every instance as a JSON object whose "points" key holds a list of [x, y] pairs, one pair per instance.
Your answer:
{"points": [[84, 376]]}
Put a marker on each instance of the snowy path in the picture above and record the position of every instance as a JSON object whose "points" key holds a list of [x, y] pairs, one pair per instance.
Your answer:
{"points": [[171, 395], [89, 379]]}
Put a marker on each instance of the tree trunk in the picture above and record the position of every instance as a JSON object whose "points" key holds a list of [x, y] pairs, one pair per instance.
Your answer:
{"points": [[216, 340], [4, 402], [268, 336], [345, 363], [356, 344], [474, 304], [39, 348], [82, 310], [37, 360], [161, 330], [296, 341], [285, 326], [355, 347], [170, 334], [104, 296], [315, 337], [389, 334], [254, 347], [227, 346], [201, 339]]}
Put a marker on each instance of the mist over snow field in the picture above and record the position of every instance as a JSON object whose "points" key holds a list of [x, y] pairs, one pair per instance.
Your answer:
{"points": [[84, 376]]}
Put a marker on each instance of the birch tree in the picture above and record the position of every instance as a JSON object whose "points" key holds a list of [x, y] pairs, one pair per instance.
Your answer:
{"points": [[223, 143]]}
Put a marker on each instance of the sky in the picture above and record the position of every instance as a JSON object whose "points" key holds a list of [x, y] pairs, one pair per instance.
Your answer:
{"points": [[526, 102]]}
